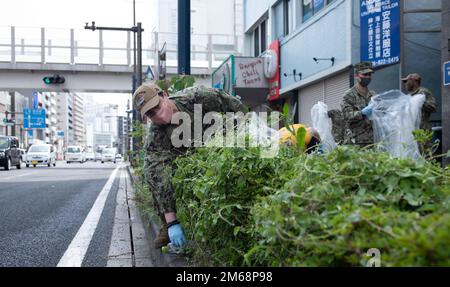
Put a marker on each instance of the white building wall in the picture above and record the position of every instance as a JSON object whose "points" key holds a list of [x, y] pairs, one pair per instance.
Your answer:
{"points": [[4, 106], [79, 121], [217, 17]]}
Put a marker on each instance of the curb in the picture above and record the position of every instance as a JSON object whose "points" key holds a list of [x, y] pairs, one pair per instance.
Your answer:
{"points": [[159, 258]]}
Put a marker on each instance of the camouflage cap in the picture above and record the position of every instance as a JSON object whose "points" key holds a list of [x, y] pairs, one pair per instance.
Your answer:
{"points": [[414, 76], [364, 68], [146, 98]]}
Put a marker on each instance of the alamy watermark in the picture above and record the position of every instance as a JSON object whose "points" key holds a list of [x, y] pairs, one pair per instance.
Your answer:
{"points": [[227, 130], [375, 260]]}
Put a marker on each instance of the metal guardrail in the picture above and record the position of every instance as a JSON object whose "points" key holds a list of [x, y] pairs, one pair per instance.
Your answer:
{"points": [[49, 46]]}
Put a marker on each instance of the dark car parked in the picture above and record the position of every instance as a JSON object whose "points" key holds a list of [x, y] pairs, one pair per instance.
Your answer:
{"points": [[9, 152]]}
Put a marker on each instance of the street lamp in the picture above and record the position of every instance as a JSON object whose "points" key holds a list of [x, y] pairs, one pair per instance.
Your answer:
{"points": [[137, 30]]}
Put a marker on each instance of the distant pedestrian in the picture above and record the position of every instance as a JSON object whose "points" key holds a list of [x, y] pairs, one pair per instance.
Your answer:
{"points": [[356, 109]]}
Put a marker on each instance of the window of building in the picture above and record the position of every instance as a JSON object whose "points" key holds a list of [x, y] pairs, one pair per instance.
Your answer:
{"points": [[311, 7], [263, 36], [288, 16], [257, 42], [260, 39]]}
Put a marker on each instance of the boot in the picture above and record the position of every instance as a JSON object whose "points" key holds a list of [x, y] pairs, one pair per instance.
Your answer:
{"points": [[162, 239]]}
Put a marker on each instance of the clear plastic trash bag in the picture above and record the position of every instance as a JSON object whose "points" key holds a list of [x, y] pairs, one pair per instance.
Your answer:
{"points": [[251, 130], [395, 116], [322, 123], [260, 134]]}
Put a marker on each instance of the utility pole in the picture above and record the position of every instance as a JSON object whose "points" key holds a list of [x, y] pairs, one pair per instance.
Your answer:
{"points": [[184, 37], [137, 30], [13, 113], [445, 54], [134, 46], [6, 126]]}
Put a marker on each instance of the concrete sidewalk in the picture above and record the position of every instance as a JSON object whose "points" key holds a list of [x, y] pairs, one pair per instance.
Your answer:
{"points": [[132, 239], [129, 244], [151, 228]]}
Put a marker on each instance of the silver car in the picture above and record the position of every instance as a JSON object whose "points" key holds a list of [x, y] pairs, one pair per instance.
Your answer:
{"points": [[41, 154]]}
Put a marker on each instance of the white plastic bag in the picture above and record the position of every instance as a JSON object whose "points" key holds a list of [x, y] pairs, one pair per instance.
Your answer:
{"points": [[251, 130], [395, 116], [260, 134], [322, 123]]}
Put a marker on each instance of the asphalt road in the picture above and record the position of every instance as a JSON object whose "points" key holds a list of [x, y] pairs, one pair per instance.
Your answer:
{"points": [[42, 209]]}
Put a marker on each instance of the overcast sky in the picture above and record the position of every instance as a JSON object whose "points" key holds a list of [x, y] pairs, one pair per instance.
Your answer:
{"points": [[74, 14]]}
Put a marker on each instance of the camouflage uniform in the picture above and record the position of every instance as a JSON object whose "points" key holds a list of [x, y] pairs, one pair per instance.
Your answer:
{"points": [[338, 122], [428, 108], [358, 128], [160, 153]]}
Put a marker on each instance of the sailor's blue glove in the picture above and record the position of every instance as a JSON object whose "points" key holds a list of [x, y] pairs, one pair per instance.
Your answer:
{"points": [[176, 235], [367, 111], [321, 149]]}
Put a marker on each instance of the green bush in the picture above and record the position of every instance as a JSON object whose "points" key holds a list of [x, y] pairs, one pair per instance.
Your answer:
{"points": [[312, 210]]}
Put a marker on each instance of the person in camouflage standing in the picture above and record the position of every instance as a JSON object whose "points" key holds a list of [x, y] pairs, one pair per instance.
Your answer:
{"points": [[155, 104], [356, 109], [413, 84]]}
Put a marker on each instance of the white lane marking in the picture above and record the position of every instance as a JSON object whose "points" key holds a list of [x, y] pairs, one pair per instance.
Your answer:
{"points": [[14, 177], [75, 253]]}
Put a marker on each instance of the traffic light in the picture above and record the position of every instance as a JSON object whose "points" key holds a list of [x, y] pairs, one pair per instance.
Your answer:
{"points": [[54, 80], [10, 121]]}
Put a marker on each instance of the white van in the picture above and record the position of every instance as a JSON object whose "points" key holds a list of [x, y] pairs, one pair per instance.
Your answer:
{"points": [[109, 154], [41, 154], [75, 154]]}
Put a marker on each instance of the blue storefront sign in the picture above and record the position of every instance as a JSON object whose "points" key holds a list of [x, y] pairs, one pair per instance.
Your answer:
{"points": [[380, 31], [447, 74], [34, 119]]}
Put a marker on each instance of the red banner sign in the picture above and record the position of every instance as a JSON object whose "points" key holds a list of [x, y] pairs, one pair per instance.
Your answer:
{"points": [[272, 69]]}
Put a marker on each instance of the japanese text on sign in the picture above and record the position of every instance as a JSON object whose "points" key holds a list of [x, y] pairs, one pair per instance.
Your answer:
{"points": [[380, 31]]}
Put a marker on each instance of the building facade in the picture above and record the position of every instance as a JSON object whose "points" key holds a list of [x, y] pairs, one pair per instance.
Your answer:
{"points": [[215, 25], [101, 122], [5, 104], [122, 135], [79, 126], [65, 122], [320, 42], [11, 107]]}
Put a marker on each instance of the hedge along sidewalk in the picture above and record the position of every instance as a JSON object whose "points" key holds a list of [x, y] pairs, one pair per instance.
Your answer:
{"points": [[151, 227]]}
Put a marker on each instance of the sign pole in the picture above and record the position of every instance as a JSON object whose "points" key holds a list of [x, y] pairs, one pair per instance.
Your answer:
{"points": [[402, 44]]}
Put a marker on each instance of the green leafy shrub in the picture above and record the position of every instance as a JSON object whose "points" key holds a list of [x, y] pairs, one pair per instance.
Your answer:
{"points": [[312, 210], [176, 83], [342, 205], [215, 190]]}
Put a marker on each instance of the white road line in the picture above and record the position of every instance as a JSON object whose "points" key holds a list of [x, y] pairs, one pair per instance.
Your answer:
{"points": [[75, 253], [14, 177]]}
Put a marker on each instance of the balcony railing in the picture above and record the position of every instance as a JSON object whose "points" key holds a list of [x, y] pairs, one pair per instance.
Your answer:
{"points": [[70, 46]]}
